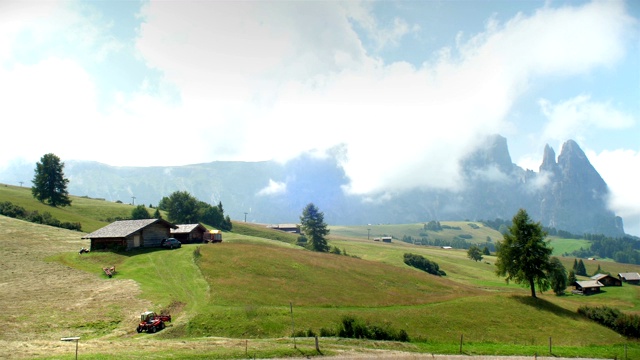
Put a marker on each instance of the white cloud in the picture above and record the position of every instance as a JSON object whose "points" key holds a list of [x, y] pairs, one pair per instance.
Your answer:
{"points": [[274, 188], [620, 169], [576, 117], [47, 107]]}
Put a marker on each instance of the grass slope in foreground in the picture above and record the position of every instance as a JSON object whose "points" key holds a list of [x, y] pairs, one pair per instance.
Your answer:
{"points": [[241, 289]]}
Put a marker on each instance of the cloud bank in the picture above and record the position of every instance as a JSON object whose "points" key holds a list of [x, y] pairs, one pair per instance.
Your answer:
{"points": [[269, 80]]}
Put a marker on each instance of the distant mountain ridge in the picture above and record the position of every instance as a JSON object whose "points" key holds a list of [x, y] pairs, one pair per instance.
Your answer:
{"points": [[567, 194]]}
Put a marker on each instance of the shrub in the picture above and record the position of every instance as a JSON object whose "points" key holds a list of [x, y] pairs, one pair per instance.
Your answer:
{"points": [[18, 212], [625, 324], [357, 329], [424, 264], [324, 332]]}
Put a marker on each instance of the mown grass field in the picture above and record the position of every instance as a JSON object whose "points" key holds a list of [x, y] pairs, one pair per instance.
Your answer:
{"points": [[235, 299]]}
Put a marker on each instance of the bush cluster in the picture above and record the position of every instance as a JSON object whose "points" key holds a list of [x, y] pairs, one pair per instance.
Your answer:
{"points": [[625, 324], [424, 264], [45, 218], [353, 328]]}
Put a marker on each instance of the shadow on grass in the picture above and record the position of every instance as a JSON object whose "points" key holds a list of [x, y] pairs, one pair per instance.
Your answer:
{"points": [[542, 304], [310, 353], [146, 250]]}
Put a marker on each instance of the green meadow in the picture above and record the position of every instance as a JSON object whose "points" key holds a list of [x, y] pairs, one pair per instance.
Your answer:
{"points": [[246, 296]]}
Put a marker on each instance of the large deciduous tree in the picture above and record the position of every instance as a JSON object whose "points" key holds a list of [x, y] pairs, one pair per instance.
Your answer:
{"points": [[313, 226], [523, 255], [182, 208], [49, 183], [474, 253], [140, 212]]}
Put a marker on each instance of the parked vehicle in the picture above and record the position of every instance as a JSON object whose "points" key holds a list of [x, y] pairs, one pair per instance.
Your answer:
{"points": [[213, 236], [152, 322], [171, 243]]}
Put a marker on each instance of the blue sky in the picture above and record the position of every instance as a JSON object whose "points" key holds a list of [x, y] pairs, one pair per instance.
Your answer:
{"points": [[403, 88]]}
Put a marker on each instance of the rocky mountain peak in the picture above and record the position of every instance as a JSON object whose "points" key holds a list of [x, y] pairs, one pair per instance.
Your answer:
{"points": [[576, 198], [576, 168], [494, 152], [549, 160]]}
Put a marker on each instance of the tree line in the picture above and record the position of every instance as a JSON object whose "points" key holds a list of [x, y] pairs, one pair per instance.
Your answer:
{"points": [[45, 218], [623, 250], [184, 208]]}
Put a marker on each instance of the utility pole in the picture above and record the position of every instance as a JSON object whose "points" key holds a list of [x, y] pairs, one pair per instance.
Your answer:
{"points": [[133, 200], [368, 232], [245, 217], [20, 183]]}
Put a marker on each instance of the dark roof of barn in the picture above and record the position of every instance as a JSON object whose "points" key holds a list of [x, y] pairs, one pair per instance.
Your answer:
{"points": [[187, 228], [124, 228], [598, 277]]}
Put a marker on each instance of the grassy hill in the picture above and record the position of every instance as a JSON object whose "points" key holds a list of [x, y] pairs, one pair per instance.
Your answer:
{"points": [[91, 213], [235, 299]]}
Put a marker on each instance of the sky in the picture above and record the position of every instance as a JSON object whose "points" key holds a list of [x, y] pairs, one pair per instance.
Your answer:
{"points": [[400, 89]]}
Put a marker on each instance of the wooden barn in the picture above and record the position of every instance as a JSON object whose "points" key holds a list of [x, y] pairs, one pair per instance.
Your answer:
{"points": [[630, 278], [290, 228], [189, 233], [130, 234], [587, 287], [607, 280]]}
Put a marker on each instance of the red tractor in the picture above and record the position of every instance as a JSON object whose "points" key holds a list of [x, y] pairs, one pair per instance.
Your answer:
{"points": [[152, 322]]}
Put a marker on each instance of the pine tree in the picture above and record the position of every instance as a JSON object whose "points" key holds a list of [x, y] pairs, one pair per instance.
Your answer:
{"points": [[581, 270], [313, 225], [49, 183], [523, 255]]}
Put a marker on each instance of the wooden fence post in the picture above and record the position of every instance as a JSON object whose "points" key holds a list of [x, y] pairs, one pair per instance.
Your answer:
{"points": [[461, 336], [293, 327]]}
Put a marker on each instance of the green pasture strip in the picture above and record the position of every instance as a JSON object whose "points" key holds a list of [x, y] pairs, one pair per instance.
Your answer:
{"points": [[165, 276], [561, 246], [169, 276]]}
